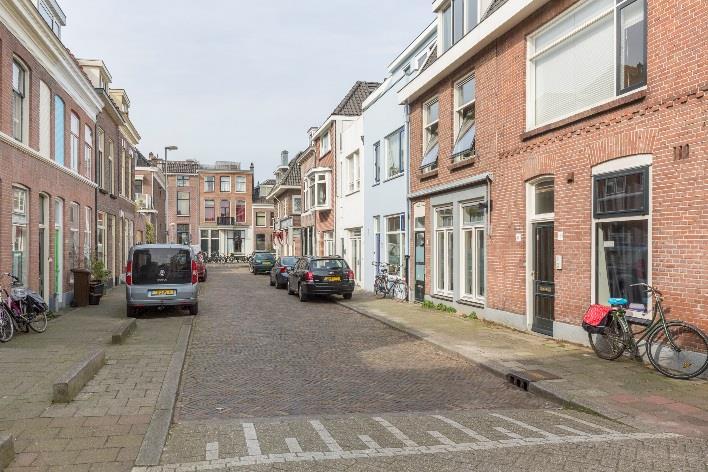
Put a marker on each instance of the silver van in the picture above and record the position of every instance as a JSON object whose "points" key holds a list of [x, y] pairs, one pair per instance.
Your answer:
{"points": [[161, 275]]}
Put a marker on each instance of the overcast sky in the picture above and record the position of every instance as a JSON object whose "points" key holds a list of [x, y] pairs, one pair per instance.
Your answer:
{"points": [[235, 79]]}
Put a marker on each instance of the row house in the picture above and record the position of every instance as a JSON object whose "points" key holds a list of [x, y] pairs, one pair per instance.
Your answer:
{"points": [[182, 204], [558, 156], [263, 216], [150, 195], [48, 114], [115, 154], [286, 197], [384, 170]]}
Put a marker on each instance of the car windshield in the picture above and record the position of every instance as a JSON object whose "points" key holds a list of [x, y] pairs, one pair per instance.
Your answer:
{"points": [[264, 257], [288, 261], [328, 264], [162, 266]]}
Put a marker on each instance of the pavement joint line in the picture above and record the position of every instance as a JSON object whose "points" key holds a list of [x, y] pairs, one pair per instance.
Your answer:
{"points": [[159, 426], [396, 432], [252, 444], [293, 445], [442, 438], [370, 443], [244, 461], [331, 443], [525, 425], [469, 432], [572, 430], [581, 421], [508, 433]]}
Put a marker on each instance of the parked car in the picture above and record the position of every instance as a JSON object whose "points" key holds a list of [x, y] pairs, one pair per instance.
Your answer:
{"points": [[279, 272], [321, 276], [161, 275], [262, 262], [201, 266], [253, 254]]}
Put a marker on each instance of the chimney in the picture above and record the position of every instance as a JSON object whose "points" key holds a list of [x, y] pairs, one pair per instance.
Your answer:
{"points": [[311, 132], [284, 158]]}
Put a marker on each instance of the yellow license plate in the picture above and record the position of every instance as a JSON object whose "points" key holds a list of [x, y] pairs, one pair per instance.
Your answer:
{"points": [[162, 293], [333, 279]]}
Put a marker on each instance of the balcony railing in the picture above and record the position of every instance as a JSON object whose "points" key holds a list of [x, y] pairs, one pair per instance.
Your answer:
{"points": [[144, 201], [226, 221]]}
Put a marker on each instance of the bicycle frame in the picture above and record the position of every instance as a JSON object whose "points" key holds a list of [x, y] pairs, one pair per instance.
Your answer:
{"points": [[658, 319]]}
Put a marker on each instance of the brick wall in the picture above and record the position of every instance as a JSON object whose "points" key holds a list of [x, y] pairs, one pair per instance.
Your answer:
{"points": [[194, 209]]}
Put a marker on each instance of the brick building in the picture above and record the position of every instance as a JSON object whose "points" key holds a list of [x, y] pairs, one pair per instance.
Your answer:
{"points": [[559, 155], [182, 203], [263, 216], [150, 198], [286, 196], [47, 127]]}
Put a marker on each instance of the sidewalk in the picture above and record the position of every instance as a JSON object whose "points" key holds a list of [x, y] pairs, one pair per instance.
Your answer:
{"points": [[623, 390], [103, 428]]}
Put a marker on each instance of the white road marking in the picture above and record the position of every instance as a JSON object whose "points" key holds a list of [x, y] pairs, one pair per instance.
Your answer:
{"points": [[293, 445], [396, 432], [326, 437], [508, 433], [442, 438], [526, 426], [572, 430], [370, 443], [586, 423], [212, 451], [249, 432], [464, 429]]}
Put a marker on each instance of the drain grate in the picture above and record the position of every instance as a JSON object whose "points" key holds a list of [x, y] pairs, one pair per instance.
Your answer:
{"points": [[522, 378], [517, 381]]}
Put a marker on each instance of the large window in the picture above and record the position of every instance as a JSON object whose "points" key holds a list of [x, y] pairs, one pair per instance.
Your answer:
{"points": [[19, 101], [74, 143], [395, 240], [353, 177], [472, 227], [321, 181], [240, 183], [20, 233], [580, 60], [235, 241], [431, 148], [182, 203], [622, 236], [465, 92], [260, 242], [45, 120], [225, 183], [101, 254], [209, 183], [225, 209], [240, 211], [459, 18], [325, 145], [182, 180], [100, 153], [261, 219], [377, 162], [88, 151], [328, 239], [395, 153], [183, 236], [209, 210], [297, 204], [110, 168], [317, 191], [59, 112], [444, 254]]}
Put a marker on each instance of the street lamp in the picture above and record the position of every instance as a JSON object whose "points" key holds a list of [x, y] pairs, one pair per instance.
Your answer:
{"points": [[167, 192]]}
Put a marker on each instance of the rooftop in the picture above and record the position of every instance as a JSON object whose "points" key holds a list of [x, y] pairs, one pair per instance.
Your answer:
{"points": [[351, 105]]}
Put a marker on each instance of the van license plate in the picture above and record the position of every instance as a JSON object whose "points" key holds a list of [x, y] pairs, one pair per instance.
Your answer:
{"points": [[333, 279], [162, 293]]}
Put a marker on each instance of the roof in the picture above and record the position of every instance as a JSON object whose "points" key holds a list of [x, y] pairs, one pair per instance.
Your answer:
{"points": [[494, 6], [142, 161], [431, 58], [268, 182], [351, 105], [180, 167]]}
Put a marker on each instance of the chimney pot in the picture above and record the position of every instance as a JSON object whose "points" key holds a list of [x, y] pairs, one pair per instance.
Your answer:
{"points": [[284, 158]]}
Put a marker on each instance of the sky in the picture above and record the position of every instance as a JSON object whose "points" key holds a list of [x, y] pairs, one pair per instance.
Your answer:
{"points": [[237, 80]]}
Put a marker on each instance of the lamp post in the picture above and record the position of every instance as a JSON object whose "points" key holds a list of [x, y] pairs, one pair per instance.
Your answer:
{"points": [[167, 191]]}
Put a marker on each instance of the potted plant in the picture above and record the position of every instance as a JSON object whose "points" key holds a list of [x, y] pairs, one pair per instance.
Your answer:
{"points": [[97, 286]]}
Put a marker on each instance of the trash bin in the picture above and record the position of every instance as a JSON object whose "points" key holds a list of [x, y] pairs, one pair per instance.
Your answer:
{"points": [[81, 286]]}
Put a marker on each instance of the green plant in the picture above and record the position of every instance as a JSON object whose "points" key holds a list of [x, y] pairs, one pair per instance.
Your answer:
{"points": [[427, 304], [472, 316], [149, 233], [98, 270], [450, 309]]}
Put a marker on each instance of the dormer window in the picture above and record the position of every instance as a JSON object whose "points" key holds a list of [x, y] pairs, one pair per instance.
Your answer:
{"points": [[54, 19], [460, 17]]}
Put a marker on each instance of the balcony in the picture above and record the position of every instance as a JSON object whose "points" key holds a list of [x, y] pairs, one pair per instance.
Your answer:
{"points": [[144, 202]]}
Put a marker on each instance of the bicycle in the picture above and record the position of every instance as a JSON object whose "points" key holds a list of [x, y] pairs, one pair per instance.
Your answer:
{"points": [[676, 349], [26, 308], [7, 325], [387, 284]]}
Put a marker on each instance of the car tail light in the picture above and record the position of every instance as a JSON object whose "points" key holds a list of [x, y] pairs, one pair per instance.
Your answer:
{"points": [[283, 270], [195, 273], [129, 273], [309, 277], [350, 274]]}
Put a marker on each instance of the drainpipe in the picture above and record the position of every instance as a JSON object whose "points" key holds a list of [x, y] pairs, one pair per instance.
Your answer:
{"points": [[408, 201], [95, 191]]}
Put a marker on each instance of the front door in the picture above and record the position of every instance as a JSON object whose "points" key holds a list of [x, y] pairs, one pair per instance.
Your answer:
{"points": [[543, 286], [419, 266]]}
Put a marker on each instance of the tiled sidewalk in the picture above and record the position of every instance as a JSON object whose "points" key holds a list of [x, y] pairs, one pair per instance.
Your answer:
{"points": [[103, 428], [624, 390]]}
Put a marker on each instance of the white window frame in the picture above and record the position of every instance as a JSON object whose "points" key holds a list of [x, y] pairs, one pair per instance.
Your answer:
{"points": [[213, 207], [21, 122], [428, 141], [189, 203], [461, 107], [328, 239], [353, 173], [399, 134], [401, 234], [87, 235], [74, 234], [111, 166], [213, 182], [88, 151], [264, 215], [20, 220], [296, 210], [100, 156], [225, 179], [476, 228], [75, 131], [241, 184], [447, 232], [245, 210], [325, 143], [467, 27], [316, 178]]}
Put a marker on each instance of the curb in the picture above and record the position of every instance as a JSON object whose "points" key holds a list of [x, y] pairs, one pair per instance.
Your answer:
{"points": [[121, 333], [545, 389], [156, 434], [7, 450], [69, 385]]}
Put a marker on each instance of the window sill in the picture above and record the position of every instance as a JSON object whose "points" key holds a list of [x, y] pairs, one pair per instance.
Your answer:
{"points": [[394, 177], [114, 197], [429, 175], [376, 184], [103, 191], [461, 164], [440, 296], [468, 302], [353, 192], [583, 115]]}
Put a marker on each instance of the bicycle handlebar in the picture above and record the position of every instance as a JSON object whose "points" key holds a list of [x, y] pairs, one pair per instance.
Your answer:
{"points": [[648, 288]]}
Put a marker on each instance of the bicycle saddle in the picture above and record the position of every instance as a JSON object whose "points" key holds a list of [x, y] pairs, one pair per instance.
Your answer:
{"points": [[618, 302]]}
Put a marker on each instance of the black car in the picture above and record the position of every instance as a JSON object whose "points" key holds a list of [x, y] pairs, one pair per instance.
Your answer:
{"points": [[321, 276], [279, 272], [262, 262]]}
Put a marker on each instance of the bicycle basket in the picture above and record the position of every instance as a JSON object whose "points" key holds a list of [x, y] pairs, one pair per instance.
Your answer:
{"points": [[596, 319], [36, 303]]}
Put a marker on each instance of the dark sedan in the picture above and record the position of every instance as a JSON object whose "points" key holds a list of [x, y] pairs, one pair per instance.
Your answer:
{"points": [[262, 262], [321, 276], [279, 272]]}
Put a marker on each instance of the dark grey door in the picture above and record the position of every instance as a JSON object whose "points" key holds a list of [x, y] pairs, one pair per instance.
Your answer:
{"points": [[543, 284], [419, 266]]}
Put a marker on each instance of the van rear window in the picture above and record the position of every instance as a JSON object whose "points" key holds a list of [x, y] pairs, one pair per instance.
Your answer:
{"points": [[162, 266]]}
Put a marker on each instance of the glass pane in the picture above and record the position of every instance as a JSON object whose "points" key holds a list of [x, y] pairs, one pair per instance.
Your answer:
{"points": [[431, 158], [471, 11], [321, 193], [622, 260], [466, 92], [620, 194], [570, 22], [544, 197], [480, 263], [447, 29], [472, 214], [433, 112], [168, 266], [444, 217], [458, 18], [466, 140], [450, 262], [393, 248], [393, 223], [633, 68], [441, 260], [469, 262]]}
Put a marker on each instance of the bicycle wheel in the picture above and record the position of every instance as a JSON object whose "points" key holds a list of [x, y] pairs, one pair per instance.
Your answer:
{"points": [[380, 288], [400, 291], [610, 344], [7, 327], [683, 354], [38, 322]]}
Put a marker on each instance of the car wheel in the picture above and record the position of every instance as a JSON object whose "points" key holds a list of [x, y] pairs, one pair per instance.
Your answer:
{"points": [[301, 293], [347, 296], [287, 286], [194, 309]]}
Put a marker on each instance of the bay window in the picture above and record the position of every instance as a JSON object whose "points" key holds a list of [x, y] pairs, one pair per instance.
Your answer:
{"points": [[465, 128], [182, 203], [19, 102], [587, 56], [395, 149], [473, 259], [74, 143], [317, 189], [395, 237], [240, 211], [321, 181], [209, 211], [431, 148], [443, 253]]}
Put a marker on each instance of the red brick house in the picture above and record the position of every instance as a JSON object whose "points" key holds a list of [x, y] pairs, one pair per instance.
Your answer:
{"points": [[286, 196], [558, 155]]}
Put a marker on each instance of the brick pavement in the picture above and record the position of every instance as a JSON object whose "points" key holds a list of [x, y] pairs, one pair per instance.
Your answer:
{"points": [[102, 429]]}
